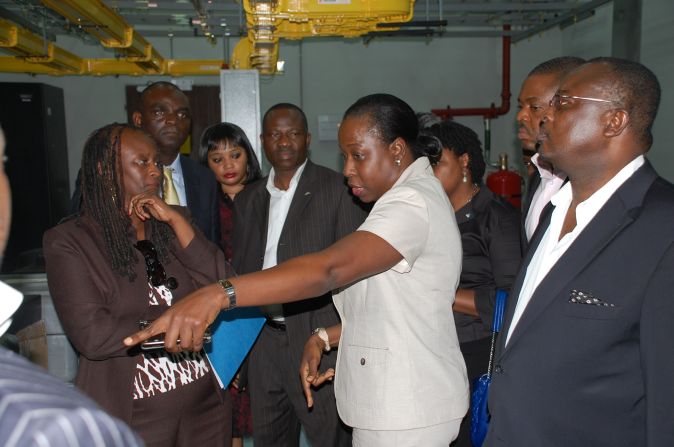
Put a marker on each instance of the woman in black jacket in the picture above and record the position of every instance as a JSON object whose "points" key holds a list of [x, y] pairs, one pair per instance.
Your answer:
{"points": [[490, 237]]}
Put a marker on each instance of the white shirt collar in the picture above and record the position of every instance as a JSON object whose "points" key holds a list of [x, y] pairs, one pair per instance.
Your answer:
{"points": [[587, 209], [273, 190], [545, 173]]}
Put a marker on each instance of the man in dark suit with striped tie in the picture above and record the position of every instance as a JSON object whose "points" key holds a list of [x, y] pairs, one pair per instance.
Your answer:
{"points": [[164, 113], [37, 409]]}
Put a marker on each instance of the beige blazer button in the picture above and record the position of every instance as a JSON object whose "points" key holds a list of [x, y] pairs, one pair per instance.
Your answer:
{"points": [[362, 361]]}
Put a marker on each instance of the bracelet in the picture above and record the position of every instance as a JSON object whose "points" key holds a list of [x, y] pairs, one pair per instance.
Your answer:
{"points": [[228, 287], [323, 335]]}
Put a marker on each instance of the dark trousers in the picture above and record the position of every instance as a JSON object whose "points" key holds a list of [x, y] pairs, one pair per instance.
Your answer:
{"points": [[198, 414], [476, 355], [277, 401]]}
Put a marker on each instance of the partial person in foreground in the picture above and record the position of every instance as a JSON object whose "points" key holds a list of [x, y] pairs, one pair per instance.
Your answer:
{"points": [[490, 238], [400, 377], [36, 408], [584, 357], [128, 257]]}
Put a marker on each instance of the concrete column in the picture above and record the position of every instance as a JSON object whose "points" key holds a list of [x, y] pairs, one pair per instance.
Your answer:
{"points": [[626, 38]]}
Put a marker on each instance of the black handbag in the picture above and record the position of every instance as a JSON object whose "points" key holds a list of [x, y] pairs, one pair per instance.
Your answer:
{"points": [[479, 412]]}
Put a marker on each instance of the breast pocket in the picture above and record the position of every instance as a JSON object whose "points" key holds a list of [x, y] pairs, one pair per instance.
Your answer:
{"points": [[368, 369]]}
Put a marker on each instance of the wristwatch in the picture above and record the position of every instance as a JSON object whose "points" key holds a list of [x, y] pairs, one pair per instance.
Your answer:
{"points": [[228, 287], [323, 335]]}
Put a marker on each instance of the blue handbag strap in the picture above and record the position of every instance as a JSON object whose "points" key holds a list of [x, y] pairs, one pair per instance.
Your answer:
{"points": [[499, 308]]}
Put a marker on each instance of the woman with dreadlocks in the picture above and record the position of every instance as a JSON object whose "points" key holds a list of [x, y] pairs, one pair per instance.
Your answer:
{"points": [[125, 258], [490, 238]]}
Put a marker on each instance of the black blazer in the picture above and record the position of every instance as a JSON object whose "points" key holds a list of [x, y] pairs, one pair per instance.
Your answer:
{"points": [[322, 211], [490, 238], [201, 191], [598, 374], [532, 186]]}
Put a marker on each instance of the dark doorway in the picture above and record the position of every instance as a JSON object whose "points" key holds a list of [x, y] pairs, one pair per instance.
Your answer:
{"points": [[33, 118]]}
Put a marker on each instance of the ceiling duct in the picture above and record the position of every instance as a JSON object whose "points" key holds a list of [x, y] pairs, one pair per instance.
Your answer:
{"points": [[33, 53], [97, 19], [29, 28], [268, 21]]}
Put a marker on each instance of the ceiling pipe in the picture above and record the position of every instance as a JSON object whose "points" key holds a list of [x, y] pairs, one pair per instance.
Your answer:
{"points": [[492, 111], [488, 113]]}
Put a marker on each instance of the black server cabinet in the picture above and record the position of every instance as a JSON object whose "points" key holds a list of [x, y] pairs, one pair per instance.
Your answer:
{"points": [[32, 116]]}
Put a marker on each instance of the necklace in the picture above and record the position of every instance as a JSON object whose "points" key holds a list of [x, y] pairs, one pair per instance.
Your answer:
{"points": [[468, 213], [472, 193]]}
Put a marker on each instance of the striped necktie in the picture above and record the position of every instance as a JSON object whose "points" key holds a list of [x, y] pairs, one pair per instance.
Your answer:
{"points": [[169, 189]]}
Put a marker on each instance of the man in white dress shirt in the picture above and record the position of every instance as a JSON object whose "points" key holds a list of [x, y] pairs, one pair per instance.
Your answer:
{"points": [[299, 208], [584, 358], [535, 95]]}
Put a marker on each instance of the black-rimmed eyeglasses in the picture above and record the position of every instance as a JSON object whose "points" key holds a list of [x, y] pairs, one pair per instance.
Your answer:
{"points": [[155, 271], [559, 100]]}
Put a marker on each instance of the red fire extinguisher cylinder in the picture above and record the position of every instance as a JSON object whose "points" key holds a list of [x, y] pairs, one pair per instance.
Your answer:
{"points": [[505, 183]]}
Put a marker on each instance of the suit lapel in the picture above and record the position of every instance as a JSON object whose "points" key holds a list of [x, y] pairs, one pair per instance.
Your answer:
{"points": [[618, 212], [543, 224], [260, 205], [191, 187], [303, 195], [532, 186]]}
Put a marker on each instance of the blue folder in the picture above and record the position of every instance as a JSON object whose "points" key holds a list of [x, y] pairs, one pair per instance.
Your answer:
{"points": [[234, 333]]}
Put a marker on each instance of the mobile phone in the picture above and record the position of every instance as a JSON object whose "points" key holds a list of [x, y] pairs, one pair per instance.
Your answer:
{"points": [[157, 342]]}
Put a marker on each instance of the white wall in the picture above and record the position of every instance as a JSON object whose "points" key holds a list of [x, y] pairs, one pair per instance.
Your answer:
{"points": [[324, 76], [657, 53]]}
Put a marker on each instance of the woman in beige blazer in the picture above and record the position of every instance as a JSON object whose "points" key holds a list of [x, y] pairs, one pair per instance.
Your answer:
{"points": [[400, 378]]}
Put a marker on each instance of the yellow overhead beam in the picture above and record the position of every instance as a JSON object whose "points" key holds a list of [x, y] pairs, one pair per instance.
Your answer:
{"points": [[113, 67], [32, 50], [170, 67], [99, 20], [12, 64]]}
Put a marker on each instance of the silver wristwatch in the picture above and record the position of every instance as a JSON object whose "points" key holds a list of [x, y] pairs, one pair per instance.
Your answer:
{"points": [[323, 335]]}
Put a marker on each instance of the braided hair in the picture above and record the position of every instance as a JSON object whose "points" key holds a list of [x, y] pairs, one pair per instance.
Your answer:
{"points": [[461, 140], [103, 200]]}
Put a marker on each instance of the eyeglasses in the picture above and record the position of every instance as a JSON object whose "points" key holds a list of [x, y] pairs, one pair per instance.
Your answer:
{"points": [[155, 271], [558, 100]]}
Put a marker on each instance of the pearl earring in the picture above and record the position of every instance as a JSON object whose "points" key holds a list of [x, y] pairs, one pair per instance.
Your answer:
{"points": [[397, 162], [465, 176]]}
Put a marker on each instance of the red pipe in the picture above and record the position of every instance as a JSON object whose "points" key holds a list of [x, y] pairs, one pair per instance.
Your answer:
{"points": [[493, 111]]}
